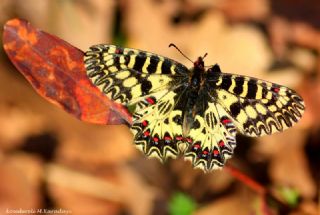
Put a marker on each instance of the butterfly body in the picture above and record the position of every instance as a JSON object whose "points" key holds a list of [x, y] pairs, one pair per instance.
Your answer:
{"points": [[191, 112], [193, 86]]}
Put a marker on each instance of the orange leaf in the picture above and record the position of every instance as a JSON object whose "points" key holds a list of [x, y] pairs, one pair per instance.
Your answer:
{"points": [[56, 71]]}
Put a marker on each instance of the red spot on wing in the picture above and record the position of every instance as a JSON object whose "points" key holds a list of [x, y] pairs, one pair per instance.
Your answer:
{"points": [[189, 140], [221, 143], [179, 138], [150, 100], [215, 152], [155, 139], [167, 138], [119, 51], [226, 121], [146, 133], [145, 123], [197, 146], [276, 89]]}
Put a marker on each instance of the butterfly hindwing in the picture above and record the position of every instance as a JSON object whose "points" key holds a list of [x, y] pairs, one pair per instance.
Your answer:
{"points": [[258, 107], [157, 126], [211, 138]]}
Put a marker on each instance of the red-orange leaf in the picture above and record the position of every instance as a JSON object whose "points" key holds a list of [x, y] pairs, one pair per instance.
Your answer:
{"points": [[56, 71]]}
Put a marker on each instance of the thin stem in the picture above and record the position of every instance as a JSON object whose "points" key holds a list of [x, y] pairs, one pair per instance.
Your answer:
{"points": [[245, 179], [283, 207]]}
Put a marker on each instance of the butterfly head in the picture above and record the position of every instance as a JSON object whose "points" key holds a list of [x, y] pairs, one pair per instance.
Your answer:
{"points": [[199, 63]]}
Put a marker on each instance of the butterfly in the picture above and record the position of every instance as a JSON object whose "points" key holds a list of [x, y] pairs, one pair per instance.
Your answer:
{"points": [[193, 112]]}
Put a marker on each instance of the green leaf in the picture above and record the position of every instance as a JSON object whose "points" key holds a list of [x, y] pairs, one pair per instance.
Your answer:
{"points": [[181, 204], [290, 195]]}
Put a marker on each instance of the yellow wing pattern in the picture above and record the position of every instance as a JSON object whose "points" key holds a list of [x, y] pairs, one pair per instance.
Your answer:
{"points": [[212, 138], [131, 76], [258, 107], [179, 113], [128, 75], [157, 126], [237, 103]]}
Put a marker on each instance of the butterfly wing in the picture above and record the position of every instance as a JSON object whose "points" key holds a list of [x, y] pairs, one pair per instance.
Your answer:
{"points": [[157, 124], [229, 103], [211, 139], [226, 103], [257, 107], [129, 75], [152, 82]]}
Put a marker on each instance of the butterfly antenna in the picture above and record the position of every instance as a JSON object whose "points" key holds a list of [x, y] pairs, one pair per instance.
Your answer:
{"points": [[173, 45], [205, 55]]}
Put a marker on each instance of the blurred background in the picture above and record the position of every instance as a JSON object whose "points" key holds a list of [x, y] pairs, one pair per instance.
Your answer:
{"points": [[50, 160]]}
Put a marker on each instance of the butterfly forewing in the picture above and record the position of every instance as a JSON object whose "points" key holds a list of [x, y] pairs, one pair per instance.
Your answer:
{"points": [[257, 107], [128, 75]]}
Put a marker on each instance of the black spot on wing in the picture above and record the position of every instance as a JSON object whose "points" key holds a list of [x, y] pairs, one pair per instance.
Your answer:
{"points": [[152, 67], [166, 121], [145, 87], [177, 119], [139, 61], [126, 60], [226, 82], [165, 67], [167, 109], [252, 89], [207, 118], [272, 101], [264, 90], [161, 106], [97, 49], [116, 61], [235, 109], [196, 124], [239, 85]]}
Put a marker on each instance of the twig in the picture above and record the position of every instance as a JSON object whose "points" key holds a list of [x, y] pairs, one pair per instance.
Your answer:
{"points": [[283, 207], [245, 179]]}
